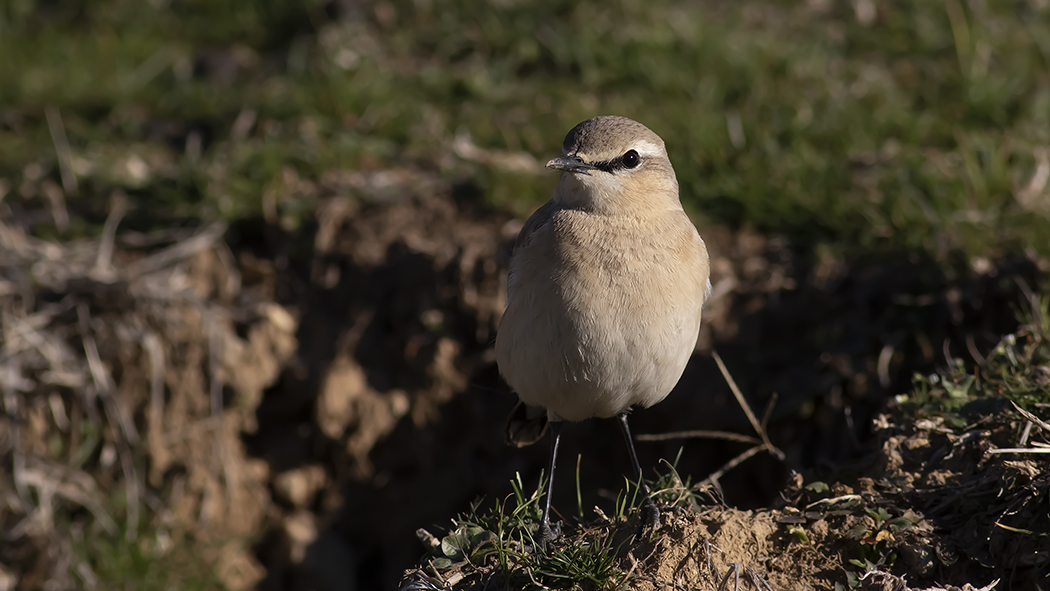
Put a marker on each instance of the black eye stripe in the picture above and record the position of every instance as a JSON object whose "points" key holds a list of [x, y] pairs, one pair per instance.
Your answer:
{"points": [[617, 163]]}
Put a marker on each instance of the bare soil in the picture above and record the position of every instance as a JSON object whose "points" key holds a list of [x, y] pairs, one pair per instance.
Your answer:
{"points": [[945, 504], [298, 404]]}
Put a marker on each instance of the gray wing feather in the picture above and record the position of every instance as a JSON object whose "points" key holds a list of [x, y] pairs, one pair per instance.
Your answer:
{"points": [[536, 221]]}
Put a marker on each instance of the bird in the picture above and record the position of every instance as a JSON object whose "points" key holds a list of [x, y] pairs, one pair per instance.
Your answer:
{"points": [[605, 291]]}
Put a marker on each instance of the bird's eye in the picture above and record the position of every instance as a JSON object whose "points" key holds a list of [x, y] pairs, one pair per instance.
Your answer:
{"points": [[631, 159]]}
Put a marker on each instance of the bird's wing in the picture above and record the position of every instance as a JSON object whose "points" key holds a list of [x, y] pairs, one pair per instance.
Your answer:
{"points": [[536, 221], [540, 218]]}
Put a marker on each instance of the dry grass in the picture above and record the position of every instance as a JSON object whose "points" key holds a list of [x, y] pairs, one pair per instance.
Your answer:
{"points": [[102, 351]]}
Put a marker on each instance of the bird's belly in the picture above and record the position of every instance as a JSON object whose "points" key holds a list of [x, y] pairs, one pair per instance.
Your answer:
{"points": [[595, 350]]}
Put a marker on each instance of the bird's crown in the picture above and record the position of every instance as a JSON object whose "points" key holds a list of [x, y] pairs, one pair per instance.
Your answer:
{"points": [[606, 142]]}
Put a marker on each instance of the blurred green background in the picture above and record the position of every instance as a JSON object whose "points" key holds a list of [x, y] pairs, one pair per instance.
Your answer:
{"points": [[865, 125]]}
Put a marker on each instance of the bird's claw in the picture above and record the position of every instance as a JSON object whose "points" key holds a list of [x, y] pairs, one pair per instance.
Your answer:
{"points": [[754, 579], [648, 518], [547, 535]]}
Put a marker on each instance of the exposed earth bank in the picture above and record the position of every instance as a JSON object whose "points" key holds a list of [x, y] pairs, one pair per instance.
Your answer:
{"points": [[293, 407]]}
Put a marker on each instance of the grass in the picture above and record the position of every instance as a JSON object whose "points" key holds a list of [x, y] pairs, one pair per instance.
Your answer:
{"points": [[154, 562], [497, 546], [918, 128], [1016, 371], [671, 490]]}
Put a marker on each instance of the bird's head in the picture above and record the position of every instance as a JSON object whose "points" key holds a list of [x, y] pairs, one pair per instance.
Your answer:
{"points": [[613, 163]]}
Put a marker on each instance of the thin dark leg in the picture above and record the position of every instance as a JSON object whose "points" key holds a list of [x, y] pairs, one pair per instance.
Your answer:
{"points": [[650, 515], [546, 534], [630, 449]]}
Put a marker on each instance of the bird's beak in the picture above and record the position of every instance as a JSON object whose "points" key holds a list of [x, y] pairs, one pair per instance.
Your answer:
{"points": [[571, 164]]}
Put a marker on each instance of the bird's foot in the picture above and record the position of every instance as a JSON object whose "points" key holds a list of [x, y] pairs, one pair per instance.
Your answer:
{"points": [[547, 535], [648, 518], [753, 578]]}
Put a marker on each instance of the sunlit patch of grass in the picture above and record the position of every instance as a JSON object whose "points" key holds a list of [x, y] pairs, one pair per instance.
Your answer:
{"points": [[587, 564], [496, 548], [917, 126], [671, 490], [1017, 370], [153, 562]]}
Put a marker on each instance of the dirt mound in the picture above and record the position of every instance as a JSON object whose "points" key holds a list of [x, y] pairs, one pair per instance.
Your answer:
{"points": [[293, 406], [938, 507]]}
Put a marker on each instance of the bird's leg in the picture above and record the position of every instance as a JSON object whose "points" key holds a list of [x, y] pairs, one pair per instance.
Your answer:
{"points": [[650, 515], [547, 535]]}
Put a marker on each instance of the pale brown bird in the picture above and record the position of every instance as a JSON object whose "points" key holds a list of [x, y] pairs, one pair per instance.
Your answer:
{"points": [[604, 296]]}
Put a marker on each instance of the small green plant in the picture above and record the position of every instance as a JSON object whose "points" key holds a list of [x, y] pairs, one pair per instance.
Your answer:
{"points": [[590, 562], [467, 543], [818, 487], [498, 542], [876, 539], [800, 533], [671, 490], [1017, 369]]}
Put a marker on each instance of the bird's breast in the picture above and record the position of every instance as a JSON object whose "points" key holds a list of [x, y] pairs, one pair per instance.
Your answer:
{"points": [[604, 313]]}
